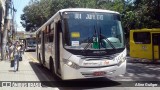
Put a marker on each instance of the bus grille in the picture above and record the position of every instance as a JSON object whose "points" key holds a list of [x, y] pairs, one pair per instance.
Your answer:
{"points": [[110, 57]]}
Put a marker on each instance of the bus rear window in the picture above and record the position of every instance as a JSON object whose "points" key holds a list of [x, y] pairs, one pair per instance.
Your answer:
{"points": [[142, 37]]}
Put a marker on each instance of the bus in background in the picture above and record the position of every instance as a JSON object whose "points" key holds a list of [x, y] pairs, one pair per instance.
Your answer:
{"points": [[81, 43], [30, 44], [145, 44]]}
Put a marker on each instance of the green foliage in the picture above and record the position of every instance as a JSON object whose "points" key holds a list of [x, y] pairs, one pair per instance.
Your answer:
{"points": [[146, 14], [135, 13]]}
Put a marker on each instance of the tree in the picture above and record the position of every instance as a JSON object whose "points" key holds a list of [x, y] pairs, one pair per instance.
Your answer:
{"points": [[5, 32], [32, 16], [147, 12], [38, 12], [135, 13]]}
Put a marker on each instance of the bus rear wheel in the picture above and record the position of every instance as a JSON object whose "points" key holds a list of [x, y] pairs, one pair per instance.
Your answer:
{"points": [[52, 70], [40, 61]]}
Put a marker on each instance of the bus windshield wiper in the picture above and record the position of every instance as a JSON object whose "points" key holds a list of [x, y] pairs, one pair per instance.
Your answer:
{"points": [[90, 40], [109, 42], [99, 36]]}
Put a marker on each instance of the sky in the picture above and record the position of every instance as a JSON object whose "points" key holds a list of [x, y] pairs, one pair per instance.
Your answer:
{"points": [[19, 5]]}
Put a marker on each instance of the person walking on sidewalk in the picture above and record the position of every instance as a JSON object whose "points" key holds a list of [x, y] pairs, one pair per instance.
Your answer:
{"points": [[16, 53], [10, 50], [7, 51]]}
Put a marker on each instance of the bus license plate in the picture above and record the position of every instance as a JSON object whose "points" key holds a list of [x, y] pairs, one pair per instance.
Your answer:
{"points": [[101, 73]]}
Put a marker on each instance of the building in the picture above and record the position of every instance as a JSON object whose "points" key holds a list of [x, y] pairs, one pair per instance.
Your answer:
{"points": [[19, 35]]}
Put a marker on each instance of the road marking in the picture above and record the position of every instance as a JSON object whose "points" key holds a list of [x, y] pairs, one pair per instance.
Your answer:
{"points": [[33, 59]]}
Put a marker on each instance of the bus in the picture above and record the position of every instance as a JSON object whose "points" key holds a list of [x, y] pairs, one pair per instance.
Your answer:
{"points": [[145, 44], [81, 43], [30, 44]]}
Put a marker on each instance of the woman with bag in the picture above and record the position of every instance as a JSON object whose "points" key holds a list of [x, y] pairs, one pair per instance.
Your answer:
{"points": [[16, 54]]}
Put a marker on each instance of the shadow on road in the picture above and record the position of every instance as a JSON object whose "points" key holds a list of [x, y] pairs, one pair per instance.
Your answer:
{"points": [[143, 71], [136, 71], [47, 80], [30, 51]]}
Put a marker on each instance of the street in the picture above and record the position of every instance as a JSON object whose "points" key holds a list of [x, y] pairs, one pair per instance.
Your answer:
{"points": [[30, 70]]}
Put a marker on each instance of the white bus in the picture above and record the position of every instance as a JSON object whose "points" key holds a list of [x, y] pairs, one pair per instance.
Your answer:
{"points": [[30, 44], [79, 43]]}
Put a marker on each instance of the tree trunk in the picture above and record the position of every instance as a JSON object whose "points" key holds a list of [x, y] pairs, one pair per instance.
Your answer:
{"points": [[5, 38], [5, 33]]}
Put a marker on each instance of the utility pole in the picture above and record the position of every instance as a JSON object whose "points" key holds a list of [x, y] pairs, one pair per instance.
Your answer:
{"points": [[5, 33]]}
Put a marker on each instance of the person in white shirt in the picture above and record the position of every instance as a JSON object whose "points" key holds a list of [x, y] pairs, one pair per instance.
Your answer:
{"points": [[16, 53]]}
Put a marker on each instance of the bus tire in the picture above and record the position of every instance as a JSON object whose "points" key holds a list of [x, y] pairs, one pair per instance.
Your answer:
{"points": [[40, 61], [52, 70]]}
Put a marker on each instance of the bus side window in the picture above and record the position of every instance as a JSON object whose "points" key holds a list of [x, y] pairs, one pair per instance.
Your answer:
{"points": [[142, 37], [51, 32], [155, 41], [39, 38], [59, 27], [46, 35], [51, 38]]}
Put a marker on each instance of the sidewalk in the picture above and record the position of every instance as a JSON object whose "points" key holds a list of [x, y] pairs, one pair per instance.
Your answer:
{"points": [[25, 73]]}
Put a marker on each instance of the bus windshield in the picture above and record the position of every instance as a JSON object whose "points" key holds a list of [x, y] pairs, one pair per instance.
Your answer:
{"points": [[92, 30], [31, 42]]}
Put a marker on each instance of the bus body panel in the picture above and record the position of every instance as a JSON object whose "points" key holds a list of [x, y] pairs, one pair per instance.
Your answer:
{"points": [[111, 68], [48, 54], [141, 50], [156, 52]]}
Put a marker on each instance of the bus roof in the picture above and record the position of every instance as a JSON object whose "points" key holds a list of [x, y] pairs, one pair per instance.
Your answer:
{"points": [[146, 30], [87, 10], [76, 10]]}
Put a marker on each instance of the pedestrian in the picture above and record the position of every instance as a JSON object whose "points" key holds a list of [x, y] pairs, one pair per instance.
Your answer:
{"points": [[22, 47], [7, 51], [21, 52], [16, 53], [10, 50]]}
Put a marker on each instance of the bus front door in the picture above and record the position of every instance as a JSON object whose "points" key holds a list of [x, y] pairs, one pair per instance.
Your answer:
{"points": [[156, 46], [57, 48], [43, 48]]}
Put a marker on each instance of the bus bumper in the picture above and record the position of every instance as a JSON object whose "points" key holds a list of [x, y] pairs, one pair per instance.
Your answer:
{"points": [[30, 49], [82, 73]]}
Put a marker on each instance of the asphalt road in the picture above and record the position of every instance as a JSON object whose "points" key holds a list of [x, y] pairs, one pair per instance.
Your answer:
{"points": [[137, 74]]}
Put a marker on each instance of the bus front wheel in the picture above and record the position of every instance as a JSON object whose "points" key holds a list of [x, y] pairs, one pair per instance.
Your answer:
{"points": [[40, 61], [52, 70]]}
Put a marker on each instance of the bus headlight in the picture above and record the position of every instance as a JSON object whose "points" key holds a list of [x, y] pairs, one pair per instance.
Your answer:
{"points": [[71, 64], [121, 59]]}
